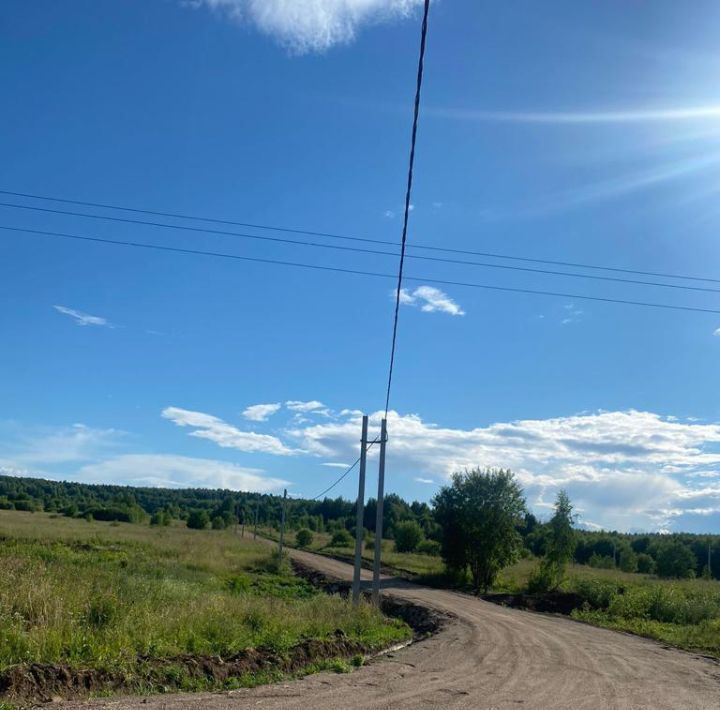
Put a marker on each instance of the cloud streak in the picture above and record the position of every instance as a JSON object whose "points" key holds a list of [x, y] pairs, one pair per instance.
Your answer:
{"points": [[682, 114], [83, 319]]}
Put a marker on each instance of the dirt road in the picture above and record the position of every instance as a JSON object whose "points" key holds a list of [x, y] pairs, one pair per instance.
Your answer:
{"points": [[491, 658]]}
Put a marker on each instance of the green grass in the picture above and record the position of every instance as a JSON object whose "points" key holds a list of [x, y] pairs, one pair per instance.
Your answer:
{"points": [[408, 564], [99, 595]]}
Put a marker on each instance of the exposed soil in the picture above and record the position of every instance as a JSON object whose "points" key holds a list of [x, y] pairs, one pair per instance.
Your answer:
{"points": [[548, 602], [45, 682]]}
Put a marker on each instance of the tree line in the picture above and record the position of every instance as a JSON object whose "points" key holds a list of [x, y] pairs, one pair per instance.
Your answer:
{"points": [[475, 508]]}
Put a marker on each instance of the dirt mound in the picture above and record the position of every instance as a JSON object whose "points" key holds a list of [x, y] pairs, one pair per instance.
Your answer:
{"points": [[45, 682], [548, 602]]}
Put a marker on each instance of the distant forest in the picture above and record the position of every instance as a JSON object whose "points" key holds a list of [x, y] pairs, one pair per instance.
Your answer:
{"points": [[205, 508]]}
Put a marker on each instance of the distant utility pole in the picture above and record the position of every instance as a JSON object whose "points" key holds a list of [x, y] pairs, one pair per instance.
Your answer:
{"points": [[257, 509], [282, 522], [244, 513], [359, 528], [379, 514]]}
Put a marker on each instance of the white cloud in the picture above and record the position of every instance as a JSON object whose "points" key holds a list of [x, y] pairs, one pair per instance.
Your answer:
{"points": [[311, 25], [389, 214], [167, 470], [623, 469], [311, 406], [334, 465], [717, 332], [206, 426], [424, 480], [430, 300], [81, 318], [260, 412]]}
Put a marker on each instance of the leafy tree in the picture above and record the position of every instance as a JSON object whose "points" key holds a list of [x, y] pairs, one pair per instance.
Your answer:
{"points": [[198, 520], [627, 559], [480, 513], [561, 541], [675, 559], [645, 563], [304, 538], [408, 536], [218, 523]]}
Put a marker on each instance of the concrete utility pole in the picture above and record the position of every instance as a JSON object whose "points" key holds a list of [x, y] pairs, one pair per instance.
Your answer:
{"points": [[359, 529], [257, 509], [379, 514], [282, 523]]}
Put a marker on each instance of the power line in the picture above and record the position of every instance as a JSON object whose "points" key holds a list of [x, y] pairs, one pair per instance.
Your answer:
{"points": [[329, 235], [408, 192], [360, 250], [358, 272], [346, 472]]}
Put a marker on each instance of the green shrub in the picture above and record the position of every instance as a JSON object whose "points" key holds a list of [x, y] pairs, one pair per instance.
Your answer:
{"points": [[596, 593], [304, 538], [408, 535], [541, 579], [341, 538], [645, 563], [601, 561], [218, 523], [198, 520]]}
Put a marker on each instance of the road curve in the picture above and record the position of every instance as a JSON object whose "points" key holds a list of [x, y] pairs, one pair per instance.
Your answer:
{"points": [[489, 658]]}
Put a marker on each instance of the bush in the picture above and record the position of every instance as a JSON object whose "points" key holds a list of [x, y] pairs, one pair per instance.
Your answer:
{"points": [[198, 520], [645, 563], [341, 539], [542, 579], [429, 547], [304, 538], [601, 561], [218, 523], [408, 536]]}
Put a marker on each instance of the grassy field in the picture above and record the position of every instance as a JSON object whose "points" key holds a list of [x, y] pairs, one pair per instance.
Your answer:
{"points": [[101, 595]]}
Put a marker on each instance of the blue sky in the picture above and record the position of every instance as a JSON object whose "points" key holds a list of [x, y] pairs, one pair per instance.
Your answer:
{"points": [[566, 131]]}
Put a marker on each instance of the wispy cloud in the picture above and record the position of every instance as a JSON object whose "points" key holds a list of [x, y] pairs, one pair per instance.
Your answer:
{"points": [[83, 319], [261, 412], [430, 300], [717, 332], [207, 426], [640, 115], [310, 25], [572, 314], [171, 471], [330, 464], [424, 480]]}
